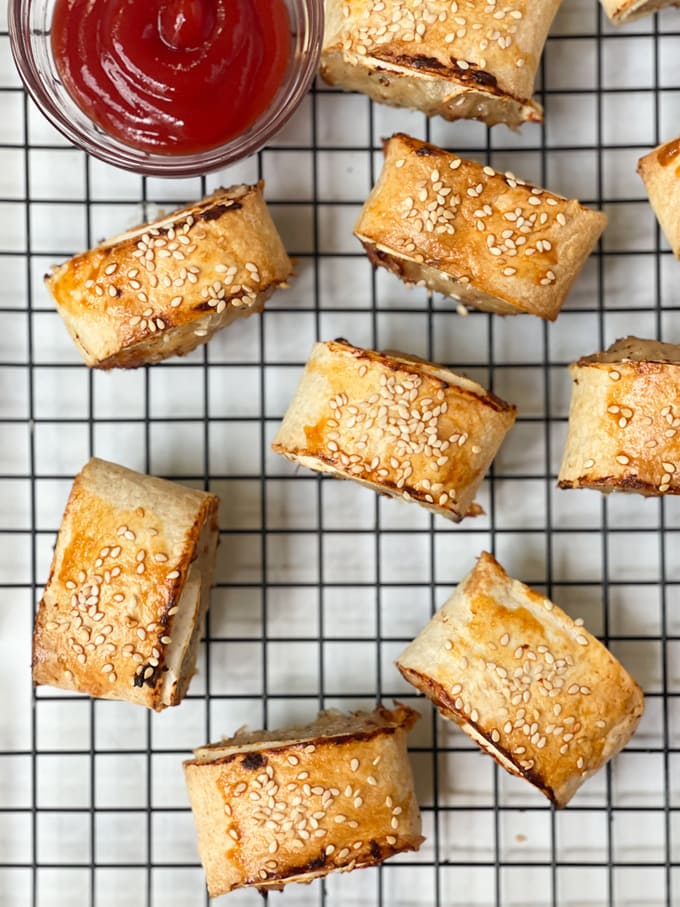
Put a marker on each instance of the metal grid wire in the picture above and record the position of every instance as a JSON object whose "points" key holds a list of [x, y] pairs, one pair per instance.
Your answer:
{"points": [[320, 584]]}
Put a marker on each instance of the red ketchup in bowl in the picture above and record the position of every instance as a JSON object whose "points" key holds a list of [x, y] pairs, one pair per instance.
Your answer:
{"points": [[172, 76]]}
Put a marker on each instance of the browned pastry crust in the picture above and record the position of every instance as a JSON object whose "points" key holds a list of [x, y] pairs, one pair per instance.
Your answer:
{"points": [[530, 685], [124, 603], [620, 11], [660, 172], [488, 239], [166, 287], [457, 60], [399, 425], [290, 806], [624, 420]]}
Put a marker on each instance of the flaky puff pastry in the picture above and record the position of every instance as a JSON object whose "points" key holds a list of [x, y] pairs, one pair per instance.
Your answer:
{"points": [[487, 239], [123, 607], [660, 172], [455, 59], [166, 287], [273, 807], [624, 420], [620, 11], [527, 683], [399, 425]]}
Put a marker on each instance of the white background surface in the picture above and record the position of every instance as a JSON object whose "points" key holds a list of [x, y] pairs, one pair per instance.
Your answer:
{"points": [[320, 584]]}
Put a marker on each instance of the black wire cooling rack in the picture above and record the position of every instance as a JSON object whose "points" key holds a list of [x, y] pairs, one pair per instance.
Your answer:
{"points": [[321, 584]]}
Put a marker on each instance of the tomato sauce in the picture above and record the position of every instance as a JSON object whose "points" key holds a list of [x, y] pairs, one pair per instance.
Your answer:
{"points": [[172, 76]]}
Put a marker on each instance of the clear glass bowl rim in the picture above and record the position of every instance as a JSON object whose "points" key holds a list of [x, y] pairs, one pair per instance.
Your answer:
{"points": [[104, 147]]}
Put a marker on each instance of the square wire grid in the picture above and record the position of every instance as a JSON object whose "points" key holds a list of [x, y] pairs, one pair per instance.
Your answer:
{"points": [[320, 584]]}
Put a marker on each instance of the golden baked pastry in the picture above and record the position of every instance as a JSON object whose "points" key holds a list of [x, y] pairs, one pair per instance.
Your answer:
{"points": [[399, 425], [624, 420], [273, 807], [487, 239], [122, 611], [620, 11], [660, 172], [166, 287], [527, 683], [462, 59]]}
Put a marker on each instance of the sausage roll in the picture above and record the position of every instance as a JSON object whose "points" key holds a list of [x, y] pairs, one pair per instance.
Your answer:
{"points": [[660, 172], [402, 426], [123, 607], [487, 239], [273, 807], [457, 60], [620, 11], [624, 420], [166, 287], [527, 683]]}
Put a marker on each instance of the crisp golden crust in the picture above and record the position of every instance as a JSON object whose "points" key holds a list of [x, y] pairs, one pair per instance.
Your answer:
{"points": [[401, 426], [620, 11], [488, 239], [624, 420], [168, 286], [530, 685], [456, 60], [129, 585], [660, 172], [277, 807]]}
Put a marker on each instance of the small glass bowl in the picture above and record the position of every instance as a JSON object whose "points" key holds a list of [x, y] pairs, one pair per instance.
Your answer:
{"points": [[29, 31]]}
